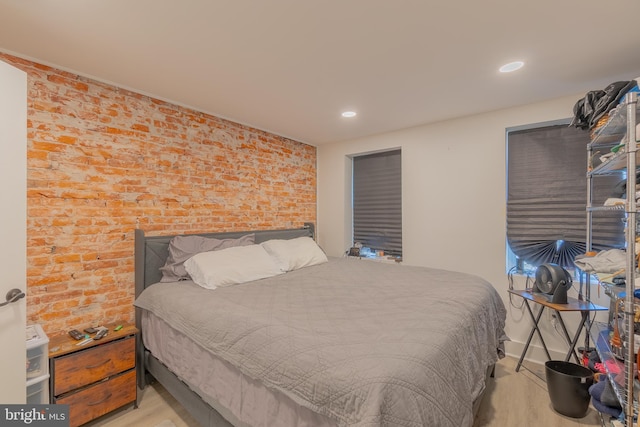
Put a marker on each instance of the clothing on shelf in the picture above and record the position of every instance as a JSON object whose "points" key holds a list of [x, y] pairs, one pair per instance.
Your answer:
{"points": [[596, 103], [608, 261]]}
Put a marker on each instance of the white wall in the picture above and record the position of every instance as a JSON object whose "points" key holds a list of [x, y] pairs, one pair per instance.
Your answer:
{"points": [[454, 203]]}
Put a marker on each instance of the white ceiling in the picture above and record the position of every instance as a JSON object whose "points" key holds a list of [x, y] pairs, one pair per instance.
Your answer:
{"points": [[292, 66]]}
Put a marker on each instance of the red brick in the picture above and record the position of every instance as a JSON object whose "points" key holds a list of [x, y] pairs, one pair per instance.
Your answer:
{"points": [[102, 160]]}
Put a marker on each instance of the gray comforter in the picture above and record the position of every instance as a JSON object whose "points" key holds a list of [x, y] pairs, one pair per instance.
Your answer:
{"points": [[361, 342]]}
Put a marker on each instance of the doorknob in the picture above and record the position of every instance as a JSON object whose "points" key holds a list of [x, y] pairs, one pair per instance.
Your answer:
{"points": [[12, 296]]}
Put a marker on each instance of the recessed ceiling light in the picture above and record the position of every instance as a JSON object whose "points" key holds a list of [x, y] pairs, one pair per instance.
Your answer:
{"points": [[511, 66], [349, 114]]}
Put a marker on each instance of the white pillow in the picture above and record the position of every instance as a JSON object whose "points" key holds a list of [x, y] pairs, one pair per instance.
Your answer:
{"points": [[231, 266], [295, 253]]}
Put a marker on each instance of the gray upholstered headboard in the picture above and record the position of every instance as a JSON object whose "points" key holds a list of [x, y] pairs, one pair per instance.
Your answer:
{"points": [[151, 252]]}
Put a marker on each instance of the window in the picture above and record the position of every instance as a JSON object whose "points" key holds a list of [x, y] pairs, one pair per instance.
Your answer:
{"points": [[547, 197], [377, 201]]}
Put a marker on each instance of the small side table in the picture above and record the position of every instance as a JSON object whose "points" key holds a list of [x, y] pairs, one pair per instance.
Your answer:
{"points": [[573, 304]]}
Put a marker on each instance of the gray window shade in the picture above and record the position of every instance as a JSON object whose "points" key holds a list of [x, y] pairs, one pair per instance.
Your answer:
{"points": [[547, 197], [377, 201]]}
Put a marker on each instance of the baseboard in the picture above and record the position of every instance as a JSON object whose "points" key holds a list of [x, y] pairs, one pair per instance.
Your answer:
{"points": [[535, 353]]}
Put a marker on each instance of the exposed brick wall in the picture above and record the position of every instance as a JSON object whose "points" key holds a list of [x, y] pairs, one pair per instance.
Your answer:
{"points": [[103, 160]]}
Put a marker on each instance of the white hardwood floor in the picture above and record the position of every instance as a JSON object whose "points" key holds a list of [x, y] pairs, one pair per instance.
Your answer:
{"points": [[512, 399], [521, 399]]}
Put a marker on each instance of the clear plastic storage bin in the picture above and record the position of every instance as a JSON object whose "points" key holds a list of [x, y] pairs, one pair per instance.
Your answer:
{"points": [[38, 390], [37, 365]]}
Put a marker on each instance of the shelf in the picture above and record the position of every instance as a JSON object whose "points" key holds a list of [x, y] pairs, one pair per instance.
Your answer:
{"points": [[615, 128], [621, 127], [613, 365], [612, 290], [616, 208], [615, 165]]}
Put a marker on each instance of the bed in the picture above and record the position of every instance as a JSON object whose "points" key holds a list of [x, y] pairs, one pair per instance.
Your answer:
{"points": [[346, 342]]}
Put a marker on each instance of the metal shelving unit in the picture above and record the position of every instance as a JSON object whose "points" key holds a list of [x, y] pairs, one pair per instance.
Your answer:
{"points": [[620, 128]]}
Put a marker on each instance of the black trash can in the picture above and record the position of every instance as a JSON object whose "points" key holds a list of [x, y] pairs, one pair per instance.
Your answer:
{"points": [[568, 385]]}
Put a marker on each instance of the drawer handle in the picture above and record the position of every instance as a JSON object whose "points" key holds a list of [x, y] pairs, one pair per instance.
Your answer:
{"points": [[107, 397], [99, 364]]}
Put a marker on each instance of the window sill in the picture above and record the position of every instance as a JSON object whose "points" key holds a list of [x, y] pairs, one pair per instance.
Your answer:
{"points": [[385, 258]]}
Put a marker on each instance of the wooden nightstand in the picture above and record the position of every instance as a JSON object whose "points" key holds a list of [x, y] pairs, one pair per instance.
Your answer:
{"points": [[95, 378]]}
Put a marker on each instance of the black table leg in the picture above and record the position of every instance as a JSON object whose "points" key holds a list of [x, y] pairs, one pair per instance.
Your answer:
{"points": [[534, 329], [573, 342]]}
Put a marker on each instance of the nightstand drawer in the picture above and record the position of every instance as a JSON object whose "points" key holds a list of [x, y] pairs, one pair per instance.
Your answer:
{"points": [[86, 367], [101, 398]]}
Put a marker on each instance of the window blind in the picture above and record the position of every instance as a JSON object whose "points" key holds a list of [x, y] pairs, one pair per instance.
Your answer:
{"points": [[547, 197], [377, 201]]}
